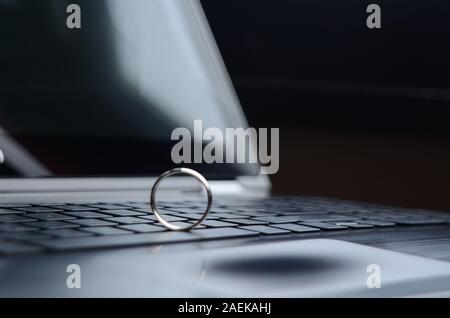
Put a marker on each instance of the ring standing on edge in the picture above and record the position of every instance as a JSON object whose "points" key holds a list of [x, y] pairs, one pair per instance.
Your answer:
{"points": [[172, 172]]}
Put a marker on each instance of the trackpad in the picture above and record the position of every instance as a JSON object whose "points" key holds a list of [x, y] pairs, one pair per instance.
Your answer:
{"points": [[304, 268]]}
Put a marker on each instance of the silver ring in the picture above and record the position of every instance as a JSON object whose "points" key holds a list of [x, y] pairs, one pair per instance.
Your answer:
{"points": [[172, 172]]}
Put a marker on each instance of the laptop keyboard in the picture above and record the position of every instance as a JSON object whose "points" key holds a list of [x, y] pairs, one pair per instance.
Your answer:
{"points": [[26, 228]]}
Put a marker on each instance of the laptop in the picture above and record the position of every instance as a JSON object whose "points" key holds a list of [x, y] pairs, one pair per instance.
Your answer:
{"points": [[88, 104]]}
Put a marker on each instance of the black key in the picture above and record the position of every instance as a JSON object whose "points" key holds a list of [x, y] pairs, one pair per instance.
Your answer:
{"points": [[9, 211], [143, 239], [106, 206], [296, 228], [250, 209], [88, 215], [355, 225], [74, 208], [25, 235], [195, 216], [221, 210], [53, 225], [378, 223], [168, 218], [247, 221], [266, 230], [301, 210], [374, 216], [419, 221], [182, 204], [180, 210], [130, 220], [234, 203], [49, 216], [92, 222], [14, 219], [105, 230], [324, 226], [194, 211], [143, 228], [255, 213], [66, 233], [124, 212], [3, 205], [14, 227], [231, 216], [161, 211], [13, 247], [278, 219], [186, 224], [325, 217], [39, 209], [138, 205], [215, 223]]}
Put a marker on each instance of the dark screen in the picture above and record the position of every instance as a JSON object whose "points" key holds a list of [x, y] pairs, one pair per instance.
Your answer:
{"points": [[102, 99]]}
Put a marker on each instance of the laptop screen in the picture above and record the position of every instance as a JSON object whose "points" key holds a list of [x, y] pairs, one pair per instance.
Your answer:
{"points": [[98, 88]]}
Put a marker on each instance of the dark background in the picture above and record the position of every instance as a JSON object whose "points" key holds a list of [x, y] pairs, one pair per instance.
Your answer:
{"points": [[363, 114]]}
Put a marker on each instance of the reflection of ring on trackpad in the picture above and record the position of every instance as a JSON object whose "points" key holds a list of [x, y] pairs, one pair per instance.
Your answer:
{"points": [[172, 172]]}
